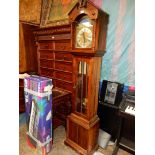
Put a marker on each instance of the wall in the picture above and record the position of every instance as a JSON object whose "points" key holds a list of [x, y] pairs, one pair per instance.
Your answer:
{"points": [[118, 63]]}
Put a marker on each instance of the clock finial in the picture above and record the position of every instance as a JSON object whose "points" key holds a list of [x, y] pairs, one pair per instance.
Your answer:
{"points": [[82, 3]]}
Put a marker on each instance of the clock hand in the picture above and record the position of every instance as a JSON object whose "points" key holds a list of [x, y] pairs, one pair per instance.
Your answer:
{"points": [[84, 37]]}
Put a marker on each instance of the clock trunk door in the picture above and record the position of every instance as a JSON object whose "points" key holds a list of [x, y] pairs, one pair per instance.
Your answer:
{"points": [[81, 89]]}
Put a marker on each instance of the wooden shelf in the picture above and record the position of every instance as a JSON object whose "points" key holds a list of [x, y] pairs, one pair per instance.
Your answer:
{"points": [[61, 50], [63, 61], [47, 68], [63, 71], [63, 80], [46, 59]]}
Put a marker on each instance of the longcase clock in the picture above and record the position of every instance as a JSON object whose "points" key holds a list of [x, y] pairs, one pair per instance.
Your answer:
{"points": [[89, 29]]}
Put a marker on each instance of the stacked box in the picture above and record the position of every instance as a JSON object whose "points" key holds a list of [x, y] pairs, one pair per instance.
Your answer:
{"points": [[38, 103]]}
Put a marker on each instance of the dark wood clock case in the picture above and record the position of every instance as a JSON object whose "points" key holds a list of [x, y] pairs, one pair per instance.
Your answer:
{"points": [[83, 122]]}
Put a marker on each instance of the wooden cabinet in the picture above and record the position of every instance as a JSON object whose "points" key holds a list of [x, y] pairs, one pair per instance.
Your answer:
{"points": [[78, 130], [56, 62], [27, 48], [82, 134], [54, 58], [61, 106], [58, 66]]}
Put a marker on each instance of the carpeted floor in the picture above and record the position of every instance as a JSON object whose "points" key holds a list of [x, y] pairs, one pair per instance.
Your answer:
{"points": [[58, 148]]}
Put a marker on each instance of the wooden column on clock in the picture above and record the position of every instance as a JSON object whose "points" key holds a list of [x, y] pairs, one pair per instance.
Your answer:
{"points": [[88, 43]]}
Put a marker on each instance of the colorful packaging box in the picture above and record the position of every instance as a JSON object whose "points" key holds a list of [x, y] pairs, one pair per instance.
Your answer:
{"points": [[38, 103]]}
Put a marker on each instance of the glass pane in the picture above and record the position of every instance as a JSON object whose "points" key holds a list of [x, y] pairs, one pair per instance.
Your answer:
{"points": [[82, 87], [84, 33]]}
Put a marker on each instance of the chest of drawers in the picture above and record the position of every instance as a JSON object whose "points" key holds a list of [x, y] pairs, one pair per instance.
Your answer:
{"points": [[54, 58], [56, 62]]}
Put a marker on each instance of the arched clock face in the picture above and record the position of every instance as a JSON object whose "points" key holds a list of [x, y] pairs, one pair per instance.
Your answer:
{"points": [[84, 37], [84, 33]]}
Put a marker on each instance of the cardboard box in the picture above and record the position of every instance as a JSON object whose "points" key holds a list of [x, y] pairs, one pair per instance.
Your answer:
{"points": [[38, 103]]}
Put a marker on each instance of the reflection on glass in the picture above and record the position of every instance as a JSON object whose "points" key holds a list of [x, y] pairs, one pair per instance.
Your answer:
{"points": [[82, 87]]}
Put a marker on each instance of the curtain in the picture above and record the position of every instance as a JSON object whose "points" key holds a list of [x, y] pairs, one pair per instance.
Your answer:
{"points": [[118, 63]]}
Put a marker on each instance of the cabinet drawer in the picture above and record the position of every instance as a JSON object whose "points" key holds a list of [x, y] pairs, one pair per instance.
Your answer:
{"points": [[46, 72], [63, 45], [46, 63], [46, 55], [64, 76], [64, 85], [43, 46], [63, 66], [63, 56]]}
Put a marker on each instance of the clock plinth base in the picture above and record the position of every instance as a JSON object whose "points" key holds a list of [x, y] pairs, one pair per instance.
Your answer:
{"points": [[82, 134]]}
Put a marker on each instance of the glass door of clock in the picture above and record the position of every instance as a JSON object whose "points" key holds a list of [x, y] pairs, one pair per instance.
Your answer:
{"points": [[81, 90]]}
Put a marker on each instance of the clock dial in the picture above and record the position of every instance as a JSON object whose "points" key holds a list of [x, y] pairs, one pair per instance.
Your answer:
{"points": [[84, 33], [84, 37]]}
